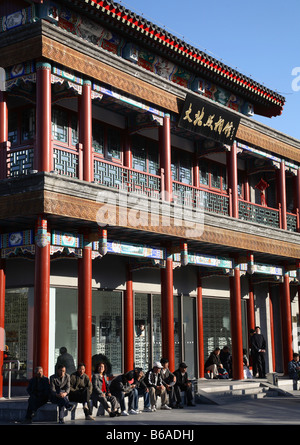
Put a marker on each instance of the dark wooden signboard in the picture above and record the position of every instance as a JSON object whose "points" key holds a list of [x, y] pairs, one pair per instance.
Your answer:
{"points": [[206, 119]]}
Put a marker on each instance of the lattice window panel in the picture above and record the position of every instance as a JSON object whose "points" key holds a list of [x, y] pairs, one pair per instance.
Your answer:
{"points": [[65, 163], [109, 175], [20, 162], [144, 184], [257, 214], [216, 203], [291, 221]]}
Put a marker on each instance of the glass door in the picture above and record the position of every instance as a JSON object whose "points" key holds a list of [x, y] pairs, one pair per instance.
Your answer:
{"points": [[188, 334], [147, 343]]}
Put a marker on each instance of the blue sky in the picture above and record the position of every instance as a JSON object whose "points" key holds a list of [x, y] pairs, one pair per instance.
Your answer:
{"points": [[261, 39]]}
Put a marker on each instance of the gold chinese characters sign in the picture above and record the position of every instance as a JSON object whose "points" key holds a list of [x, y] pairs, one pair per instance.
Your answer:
{"points": [[201, 117]]}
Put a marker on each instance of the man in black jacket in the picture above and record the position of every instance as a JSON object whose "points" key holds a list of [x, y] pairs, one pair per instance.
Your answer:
{"points": [[122, 386], [183, 384], [258, 349], [38, 390]]}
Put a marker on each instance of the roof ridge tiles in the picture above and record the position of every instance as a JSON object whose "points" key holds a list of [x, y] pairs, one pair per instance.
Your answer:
{"points": [[186, 49]]}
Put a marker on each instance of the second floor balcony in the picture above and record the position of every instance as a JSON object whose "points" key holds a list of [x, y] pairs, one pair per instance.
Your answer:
{"points": [[112, 174]]}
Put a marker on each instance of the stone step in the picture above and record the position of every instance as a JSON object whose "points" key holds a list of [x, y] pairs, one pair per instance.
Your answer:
{"points": [[15, 411], [227, 393]]}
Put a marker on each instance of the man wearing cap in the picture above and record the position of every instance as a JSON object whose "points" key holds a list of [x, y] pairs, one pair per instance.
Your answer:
{"points": [[122, 386], [183, 384], [153, 380]]}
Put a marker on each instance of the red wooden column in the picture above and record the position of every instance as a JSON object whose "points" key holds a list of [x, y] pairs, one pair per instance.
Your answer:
{"points": [[196, 169], [286, 322], [85, 130], [282, 195], [41, 296], [85, 306], [251, 307], [128, 323], [127, 152], [250, 312], [201, 360], [272, 328], [43, 153], [3, 134], [233, 179], [165, 157], [167, 312], [236, 325], [2, 320]]}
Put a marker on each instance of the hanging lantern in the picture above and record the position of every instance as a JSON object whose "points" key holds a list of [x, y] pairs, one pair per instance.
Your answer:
{"points": [[262, 185]]}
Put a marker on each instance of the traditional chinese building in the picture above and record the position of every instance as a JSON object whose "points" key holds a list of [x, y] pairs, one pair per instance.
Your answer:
{"points": [[144, 210]]}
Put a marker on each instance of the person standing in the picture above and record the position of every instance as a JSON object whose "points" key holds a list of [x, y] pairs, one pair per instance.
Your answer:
{"points": [[38, 390], [66, 360], [81, 389], [258, 349], [60, 390]]}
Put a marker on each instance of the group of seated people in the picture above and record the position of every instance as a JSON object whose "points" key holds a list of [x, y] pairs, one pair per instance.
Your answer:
{"points": [[67, 390], [219, 363]]}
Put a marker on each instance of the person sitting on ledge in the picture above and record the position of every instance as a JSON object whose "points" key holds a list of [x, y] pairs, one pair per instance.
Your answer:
{"points": [[38, 390], [81, 390], [213, 363], [60, 390], [183, 384], [101, 392]]}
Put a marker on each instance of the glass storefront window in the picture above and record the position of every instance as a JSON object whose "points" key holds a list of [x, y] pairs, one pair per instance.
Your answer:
{"points": [[16, 328], [177, 330], [156, 328], [189, 337], [148, 344], [216, 324], [66, 314], [107, 329], [141, 331]]}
